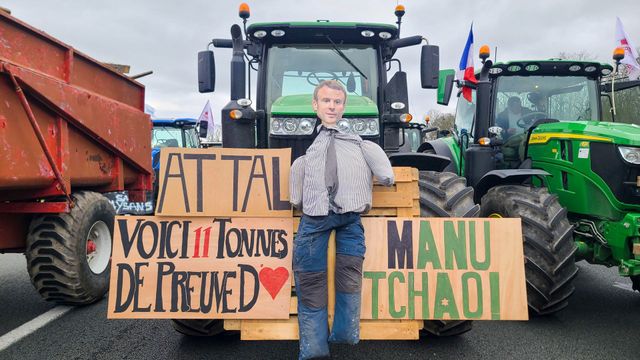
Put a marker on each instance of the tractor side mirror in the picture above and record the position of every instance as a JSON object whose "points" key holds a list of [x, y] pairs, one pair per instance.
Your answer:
{"points": [[445, 86], [396, 94], [206, 72], [429, 66], [204, 125]]}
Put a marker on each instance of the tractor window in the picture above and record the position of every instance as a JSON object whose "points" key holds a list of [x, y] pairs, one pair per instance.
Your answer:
{"points": [[293, 71], [465, 113], [627, 106], [193, 141], [521, 100], [166, 136], [169, 136]]}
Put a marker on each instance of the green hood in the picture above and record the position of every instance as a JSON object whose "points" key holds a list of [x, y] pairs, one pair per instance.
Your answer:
{"points": [[617, 133], [300, 105]]}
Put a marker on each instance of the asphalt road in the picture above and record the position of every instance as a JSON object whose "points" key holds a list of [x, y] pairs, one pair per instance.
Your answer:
{"points": [[600, 323]]}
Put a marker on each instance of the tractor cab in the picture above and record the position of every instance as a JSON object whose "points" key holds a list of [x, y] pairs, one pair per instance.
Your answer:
{"points": [[172, 133], [522, 95], [292, 58]]}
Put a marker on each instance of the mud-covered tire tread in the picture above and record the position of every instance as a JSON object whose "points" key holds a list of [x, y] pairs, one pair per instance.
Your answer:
{"points": [[198, 327], [549, 249], [445, 194], [56, 252], [444, 328]]}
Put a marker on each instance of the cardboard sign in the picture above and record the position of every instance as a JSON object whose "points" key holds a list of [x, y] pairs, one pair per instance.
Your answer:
{"points": [[224, 182], [181, 268], [441, 268]]}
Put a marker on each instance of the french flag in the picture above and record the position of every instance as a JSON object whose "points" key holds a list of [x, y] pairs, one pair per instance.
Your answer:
{"points": [[465, 71]]}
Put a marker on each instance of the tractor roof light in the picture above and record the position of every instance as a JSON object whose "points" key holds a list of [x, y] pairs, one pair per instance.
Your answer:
{"points": [[399, 11], [260, 34], [277, 33], [398, 105], [244, 12], [367, 33], [484, 52], [618, 54], [514, 68], [574, 67], [244, 102], [384, 35], [630, 154], [532, 67]]}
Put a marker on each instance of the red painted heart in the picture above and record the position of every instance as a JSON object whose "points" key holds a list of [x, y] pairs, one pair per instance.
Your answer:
{"points": [[273, 280]]}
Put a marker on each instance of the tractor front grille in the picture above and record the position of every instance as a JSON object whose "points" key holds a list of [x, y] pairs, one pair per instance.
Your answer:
{"points": [[620, 176]]}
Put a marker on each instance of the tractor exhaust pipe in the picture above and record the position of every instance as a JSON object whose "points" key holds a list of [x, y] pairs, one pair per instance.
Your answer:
{"points": [[238, 80]]}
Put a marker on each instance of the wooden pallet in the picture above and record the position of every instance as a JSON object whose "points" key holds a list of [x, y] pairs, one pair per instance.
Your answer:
{"points": [[399, 200]]}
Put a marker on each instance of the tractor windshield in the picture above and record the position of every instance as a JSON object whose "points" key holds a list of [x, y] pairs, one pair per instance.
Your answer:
{"points": [[521, 100], [168, 136], [293, 71]]}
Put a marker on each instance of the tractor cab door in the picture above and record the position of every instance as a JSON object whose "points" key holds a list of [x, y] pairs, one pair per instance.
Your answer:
{"points": [[627, 99], [465, 115]]}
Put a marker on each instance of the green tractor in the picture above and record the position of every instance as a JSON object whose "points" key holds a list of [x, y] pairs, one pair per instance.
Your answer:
{"points": [[533, 145], [290, 59]]}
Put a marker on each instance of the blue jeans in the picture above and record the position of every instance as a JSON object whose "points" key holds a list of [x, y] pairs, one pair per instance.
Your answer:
{"points": [[310, 272]]}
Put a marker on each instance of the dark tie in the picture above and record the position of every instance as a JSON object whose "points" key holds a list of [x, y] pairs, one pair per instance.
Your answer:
{"points": [[331, 169]]}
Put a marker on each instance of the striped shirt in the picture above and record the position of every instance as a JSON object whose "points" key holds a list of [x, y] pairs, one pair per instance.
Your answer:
{"points": [[358, 161]]}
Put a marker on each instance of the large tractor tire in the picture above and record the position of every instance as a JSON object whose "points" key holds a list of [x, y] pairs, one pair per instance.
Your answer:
{"points": [[69, 255], [635, 282], [549, 249], [446, 195], [198, 327]]}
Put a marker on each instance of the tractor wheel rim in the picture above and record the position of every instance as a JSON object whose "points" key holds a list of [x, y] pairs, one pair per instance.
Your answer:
{"points": [[495, 216], [98, 244]]}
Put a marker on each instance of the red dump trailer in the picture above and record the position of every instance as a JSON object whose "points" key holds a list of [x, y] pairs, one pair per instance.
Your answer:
{"points": [[71, 129]]}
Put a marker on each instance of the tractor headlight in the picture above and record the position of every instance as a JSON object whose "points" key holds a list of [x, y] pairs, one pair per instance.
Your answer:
{"points": [[360, 126], [304, 126], [630, 154], [344, 126], [291, 126]]}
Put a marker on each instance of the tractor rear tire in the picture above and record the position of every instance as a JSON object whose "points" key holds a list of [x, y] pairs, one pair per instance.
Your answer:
{"points": [[60, 267], [635, 282], [445, 194], [549, 249], [198, 327]]}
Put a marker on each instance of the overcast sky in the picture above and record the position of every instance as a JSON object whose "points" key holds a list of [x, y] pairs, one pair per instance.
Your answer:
{"points": [[165, 36]]}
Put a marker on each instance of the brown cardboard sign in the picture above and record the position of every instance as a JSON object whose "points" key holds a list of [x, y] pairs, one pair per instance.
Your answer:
{"points": [[444, 268], [182, 268], [224, 182]]}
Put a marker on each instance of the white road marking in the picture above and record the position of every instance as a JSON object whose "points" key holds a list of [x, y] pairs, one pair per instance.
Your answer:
{"points": [[25, 329], [623, 286]]}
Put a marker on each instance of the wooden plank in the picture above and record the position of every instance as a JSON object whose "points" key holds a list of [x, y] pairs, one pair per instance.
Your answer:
{"points": [[369, 329], [403, 174], [382, 212], [397, 199], [410, 188], [232, 324], [269, 329], [390, 329], [405, 212]]}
